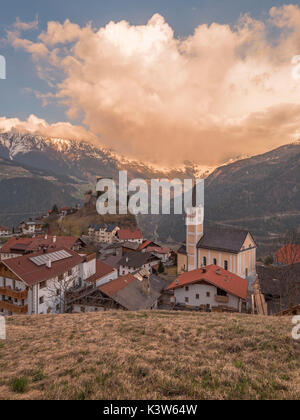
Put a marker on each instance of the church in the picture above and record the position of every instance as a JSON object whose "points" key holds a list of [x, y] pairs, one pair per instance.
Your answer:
{"points": [[231, 249]]}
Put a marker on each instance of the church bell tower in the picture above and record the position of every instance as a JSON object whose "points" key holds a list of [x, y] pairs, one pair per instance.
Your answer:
{"points": [[194, 232]]}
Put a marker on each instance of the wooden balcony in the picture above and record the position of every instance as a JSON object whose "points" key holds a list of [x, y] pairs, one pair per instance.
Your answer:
{"points": [[15, 309], [221, 299], [6, 291]]}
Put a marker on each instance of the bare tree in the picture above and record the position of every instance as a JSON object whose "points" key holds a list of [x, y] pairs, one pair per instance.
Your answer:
{"points": [[289, 254], [58, 288]]}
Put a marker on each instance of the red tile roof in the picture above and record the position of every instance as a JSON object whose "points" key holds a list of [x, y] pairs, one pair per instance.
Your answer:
{"points": [[114, 286], [158, 249], [125, 234], [4, 228], [32, 274], [225, 280], [37, 243], [145, 244], [289, 254], [102, 270]]}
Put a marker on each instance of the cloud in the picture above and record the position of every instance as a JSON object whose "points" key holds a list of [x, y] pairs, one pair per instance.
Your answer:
{"points": [[35, 125], [219, 93], [26, 26]]}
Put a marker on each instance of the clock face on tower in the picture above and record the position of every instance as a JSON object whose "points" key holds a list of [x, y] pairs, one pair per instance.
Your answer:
{"points": [[194, 216]]}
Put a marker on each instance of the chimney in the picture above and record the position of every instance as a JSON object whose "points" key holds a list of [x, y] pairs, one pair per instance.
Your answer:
{"points": [[54, 239], [49, 264]]}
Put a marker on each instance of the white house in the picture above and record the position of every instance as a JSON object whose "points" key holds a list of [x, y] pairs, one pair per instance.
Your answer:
{"points": [[4, 231], [133, 261], [126, 235], [210, 288], [104, 274], [103, 233], [162, 253], [37, 283], [31, 227]]}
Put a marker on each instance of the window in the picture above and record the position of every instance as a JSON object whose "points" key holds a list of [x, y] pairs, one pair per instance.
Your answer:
{"points": [[246, 272], [43, 284], [41, 300], [197, 296], [207, 294], [226, 265], [215, 261], [57, 292], [204, 261], [60, 277], [221, 292], [186, 288], [186, 299], [70, 273]]}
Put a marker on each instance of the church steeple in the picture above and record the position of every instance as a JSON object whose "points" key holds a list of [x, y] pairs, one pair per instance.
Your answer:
{"points": [[194, 230]]}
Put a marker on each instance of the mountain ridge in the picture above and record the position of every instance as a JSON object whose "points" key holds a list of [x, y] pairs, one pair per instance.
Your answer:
{"points": [[68, 154]]}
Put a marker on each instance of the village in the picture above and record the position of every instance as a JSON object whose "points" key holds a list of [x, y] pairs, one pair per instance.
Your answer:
{"points": [[215, 269]]}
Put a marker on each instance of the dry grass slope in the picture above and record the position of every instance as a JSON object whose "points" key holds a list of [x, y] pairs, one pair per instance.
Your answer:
{"points": [[78, 223], [149, 355]]}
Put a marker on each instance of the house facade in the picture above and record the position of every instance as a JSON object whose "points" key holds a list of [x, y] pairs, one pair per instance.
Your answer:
{"points": [[37, 283], [30, 227], [162, 253], [102, 233], [126, 235], [210, 288], [4, 231], [133, 261]]}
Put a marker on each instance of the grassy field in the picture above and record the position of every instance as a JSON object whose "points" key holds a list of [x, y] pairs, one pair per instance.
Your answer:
{"points": [[149, 355]]}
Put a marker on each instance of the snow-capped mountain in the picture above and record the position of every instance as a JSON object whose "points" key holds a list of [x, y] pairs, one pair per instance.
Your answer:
{"points": [[82, 160]]}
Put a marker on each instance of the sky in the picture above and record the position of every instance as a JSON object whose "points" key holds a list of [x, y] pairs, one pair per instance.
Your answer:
{"points": [[162, 81]]}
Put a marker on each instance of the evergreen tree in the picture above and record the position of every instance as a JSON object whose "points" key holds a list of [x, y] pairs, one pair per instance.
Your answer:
{"points": [[161, 268], [54, 209]]}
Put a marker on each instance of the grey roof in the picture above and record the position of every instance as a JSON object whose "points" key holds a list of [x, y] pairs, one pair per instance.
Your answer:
{"points": [[103, 226], [110, 228], [223, 239], [280, 285], [115, 245], [130, 245], [112, 260], [135, 297], [182, 250], [136, 259]]}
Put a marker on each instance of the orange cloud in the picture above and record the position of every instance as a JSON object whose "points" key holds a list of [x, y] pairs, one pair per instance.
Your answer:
{"points": [[35, 125], [219, 93]]}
